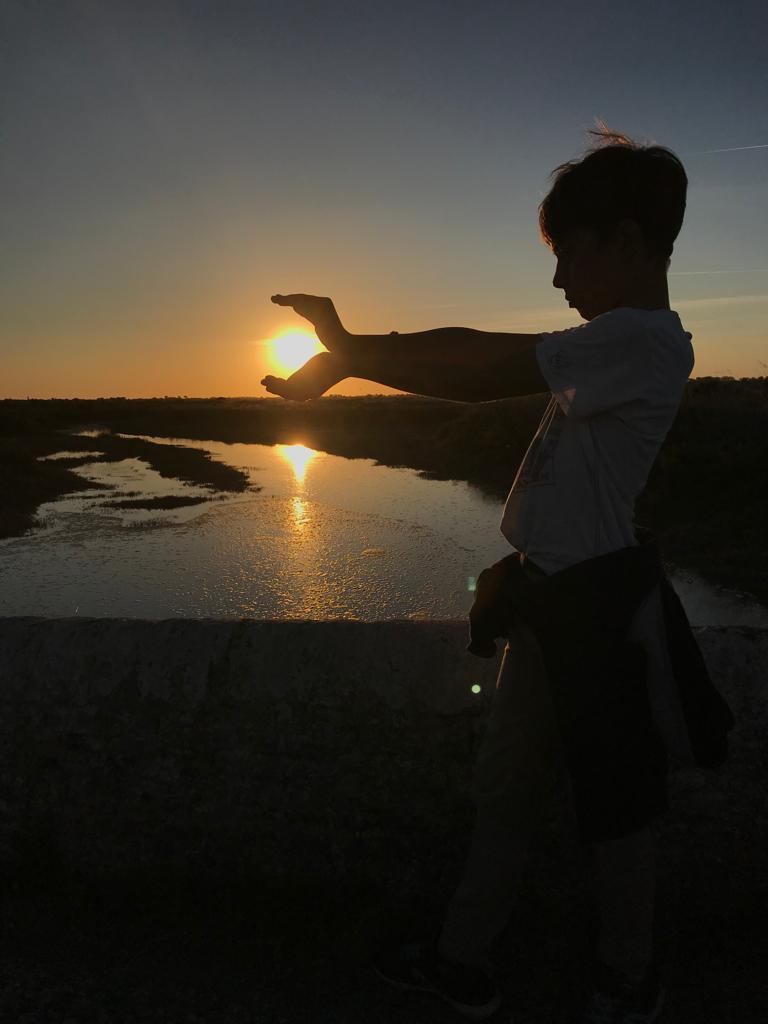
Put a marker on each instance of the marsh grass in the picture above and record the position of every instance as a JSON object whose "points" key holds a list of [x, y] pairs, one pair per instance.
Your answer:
{"points": [[162, 501], [30, 480], [154, 523]]}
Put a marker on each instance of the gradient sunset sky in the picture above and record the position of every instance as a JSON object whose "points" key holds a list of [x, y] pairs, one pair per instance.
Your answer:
{"points": [[167, 166]]}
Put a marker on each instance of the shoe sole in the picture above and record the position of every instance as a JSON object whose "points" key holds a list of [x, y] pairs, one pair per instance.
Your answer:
{"points": [[466, 1010]]}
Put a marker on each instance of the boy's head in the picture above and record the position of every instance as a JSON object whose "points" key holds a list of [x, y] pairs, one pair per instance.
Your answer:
{"points": [[611, 219]]}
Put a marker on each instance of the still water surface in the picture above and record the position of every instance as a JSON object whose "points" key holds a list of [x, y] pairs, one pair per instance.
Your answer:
{"points": [[319, 537]]}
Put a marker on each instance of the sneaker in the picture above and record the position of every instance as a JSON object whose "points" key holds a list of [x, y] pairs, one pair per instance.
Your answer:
{"points": [[615, 1000], [420, 968]]}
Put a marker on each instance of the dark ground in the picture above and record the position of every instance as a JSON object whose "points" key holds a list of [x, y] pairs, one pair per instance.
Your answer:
{"points": [[276, 951]]}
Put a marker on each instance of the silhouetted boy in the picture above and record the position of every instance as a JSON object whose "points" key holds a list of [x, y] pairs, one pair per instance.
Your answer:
{"points": [[584, 693]]}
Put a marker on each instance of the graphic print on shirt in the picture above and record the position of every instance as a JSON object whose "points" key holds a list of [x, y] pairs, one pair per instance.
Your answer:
{"points": [[558, 360], [537, 468]]}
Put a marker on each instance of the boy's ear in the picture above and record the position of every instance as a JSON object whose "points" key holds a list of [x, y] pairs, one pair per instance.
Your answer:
{"points": [[629, 238]]}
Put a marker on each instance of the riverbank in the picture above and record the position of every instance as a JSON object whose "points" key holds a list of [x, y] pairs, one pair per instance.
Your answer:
{"points": [[31, 477], [706, 498]]}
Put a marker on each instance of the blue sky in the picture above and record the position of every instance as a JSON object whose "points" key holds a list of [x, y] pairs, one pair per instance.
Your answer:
{"points": [[168, 166]]}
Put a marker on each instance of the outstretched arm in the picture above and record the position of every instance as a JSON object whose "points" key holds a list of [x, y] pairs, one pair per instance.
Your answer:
{"points": [[323, 371], [456, 363]]}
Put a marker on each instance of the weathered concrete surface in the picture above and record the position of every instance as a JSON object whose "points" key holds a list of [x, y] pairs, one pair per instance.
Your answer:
{"points": [[315, 748]]}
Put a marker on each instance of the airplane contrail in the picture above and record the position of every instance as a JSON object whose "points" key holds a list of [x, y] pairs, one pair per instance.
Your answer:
{"points": [[749, 270], [732, 149]]}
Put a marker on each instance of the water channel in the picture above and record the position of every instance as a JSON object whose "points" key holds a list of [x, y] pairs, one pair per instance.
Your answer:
{"points": [[317, 537]]}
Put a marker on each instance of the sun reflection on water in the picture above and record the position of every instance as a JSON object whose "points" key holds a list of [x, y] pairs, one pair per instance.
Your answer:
{"points": [[299, 457], [300, 512]]}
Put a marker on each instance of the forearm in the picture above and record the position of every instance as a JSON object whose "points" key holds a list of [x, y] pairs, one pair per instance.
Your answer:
{"points": [[441, 363], [429, 383]]}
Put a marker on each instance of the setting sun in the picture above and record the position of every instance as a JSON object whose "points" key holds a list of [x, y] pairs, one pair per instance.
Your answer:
{"points": [[290, 350]]}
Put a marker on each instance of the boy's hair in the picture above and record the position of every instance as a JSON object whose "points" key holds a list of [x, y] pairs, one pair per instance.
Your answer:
{"points": [[618, 179]]}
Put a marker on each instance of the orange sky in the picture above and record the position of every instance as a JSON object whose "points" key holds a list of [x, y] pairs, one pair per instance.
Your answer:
{"points": [[176, 356], [168, 167]]}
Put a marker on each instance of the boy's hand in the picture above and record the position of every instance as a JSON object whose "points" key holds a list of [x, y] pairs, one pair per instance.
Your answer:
{"points": [[285, 388], [322, 314], [311, 380]]}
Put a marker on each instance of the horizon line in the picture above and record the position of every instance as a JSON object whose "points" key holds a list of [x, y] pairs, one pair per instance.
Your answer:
{"points": [[271, 398]]}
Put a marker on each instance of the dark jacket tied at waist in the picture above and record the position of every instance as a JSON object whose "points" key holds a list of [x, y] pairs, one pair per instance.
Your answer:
{"points": [[581, 616]]}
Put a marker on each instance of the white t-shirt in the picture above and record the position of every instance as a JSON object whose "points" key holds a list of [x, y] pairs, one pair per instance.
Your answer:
{"points": [[616, 385]]}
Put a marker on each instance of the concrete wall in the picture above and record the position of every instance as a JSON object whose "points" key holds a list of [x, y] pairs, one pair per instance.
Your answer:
{"points": [[316, 748]]}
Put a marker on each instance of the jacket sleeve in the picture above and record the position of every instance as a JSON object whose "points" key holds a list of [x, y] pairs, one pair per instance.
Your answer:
{"points": [[708, 717]]}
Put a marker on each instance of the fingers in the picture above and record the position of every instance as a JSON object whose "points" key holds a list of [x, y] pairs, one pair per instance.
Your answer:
{"points": [[284, 389], [288, 300], [277, 385], [299, 297]]}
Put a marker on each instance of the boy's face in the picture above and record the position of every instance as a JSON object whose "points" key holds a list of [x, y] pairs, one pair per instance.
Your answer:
{"points": [[594, 274]]}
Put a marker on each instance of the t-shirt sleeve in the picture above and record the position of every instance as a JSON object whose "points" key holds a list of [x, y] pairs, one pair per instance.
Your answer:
{"points": [[597, 366]]}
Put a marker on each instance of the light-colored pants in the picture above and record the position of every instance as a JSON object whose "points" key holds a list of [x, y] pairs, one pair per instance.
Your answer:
{"points": [[520, 777], [518, 773]]}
